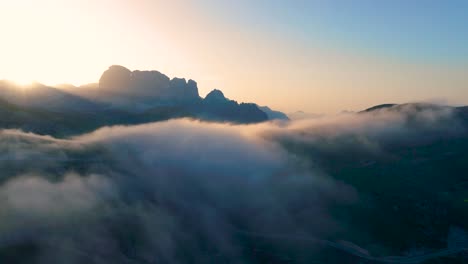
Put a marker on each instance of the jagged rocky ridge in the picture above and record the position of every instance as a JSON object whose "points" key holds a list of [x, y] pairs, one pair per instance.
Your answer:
{"points": [[121, 97]]}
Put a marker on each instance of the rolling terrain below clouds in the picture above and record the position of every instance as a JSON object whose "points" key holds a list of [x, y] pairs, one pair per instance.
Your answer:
{"points": [[140, 169]]}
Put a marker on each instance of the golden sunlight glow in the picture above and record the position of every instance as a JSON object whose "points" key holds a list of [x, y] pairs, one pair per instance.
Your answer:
{"points": [[24, 83], [74, 41]]}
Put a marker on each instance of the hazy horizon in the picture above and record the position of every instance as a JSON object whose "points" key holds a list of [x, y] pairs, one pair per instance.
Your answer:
{"points": [[314, 56]]}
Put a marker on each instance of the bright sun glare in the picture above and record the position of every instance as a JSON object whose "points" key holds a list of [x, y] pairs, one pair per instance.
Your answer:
{"points": [[24, 85]]}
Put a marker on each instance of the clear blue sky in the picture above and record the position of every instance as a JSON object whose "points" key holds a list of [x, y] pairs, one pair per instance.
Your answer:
{"points": [[430, 31]]}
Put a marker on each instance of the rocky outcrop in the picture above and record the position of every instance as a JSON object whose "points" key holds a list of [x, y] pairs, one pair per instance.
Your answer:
{"points": [[217, 107], [154, 96], [125, 88], [183, 91], [215, 97]]}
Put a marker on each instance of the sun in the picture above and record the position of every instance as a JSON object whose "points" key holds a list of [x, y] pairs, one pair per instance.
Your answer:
{"points": [[23, 82], [22, 85]]}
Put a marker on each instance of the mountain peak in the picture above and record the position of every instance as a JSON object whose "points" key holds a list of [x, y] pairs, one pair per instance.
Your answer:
{"points": [[142, 89], [115, 76], [215, 96], [378, 107]]}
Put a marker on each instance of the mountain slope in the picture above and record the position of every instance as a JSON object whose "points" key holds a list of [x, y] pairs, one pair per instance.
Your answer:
{"points": [[272, 114], [43, 97]]}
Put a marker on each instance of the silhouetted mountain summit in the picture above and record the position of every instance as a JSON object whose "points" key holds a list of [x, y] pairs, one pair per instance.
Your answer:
{"points": [[146, 90], [217, 107], [378, 107], [143, 89], [153, 92], [122, 96], [215, 96]]}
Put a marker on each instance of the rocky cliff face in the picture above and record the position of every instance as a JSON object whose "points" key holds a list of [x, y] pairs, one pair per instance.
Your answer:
{"points": [[122, 87], [148, 89]]}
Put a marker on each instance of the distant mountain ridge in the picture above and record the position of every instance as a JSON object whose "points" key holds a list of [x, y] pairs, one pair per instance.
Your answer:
{"points": [[140, 91], [132, 97], [121, 97], [413, 106], [378, 107], [215, 106], [411, 110]]}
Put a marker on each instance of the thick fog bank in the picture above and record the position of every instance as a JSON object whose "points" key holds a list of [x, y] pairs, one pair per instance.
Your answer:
{"points": [[185, 191]]}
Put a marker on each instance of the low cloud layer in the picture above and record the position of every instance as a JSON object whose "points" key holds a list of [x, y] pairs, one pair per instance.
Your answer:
{"points": [[183, 191]]}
